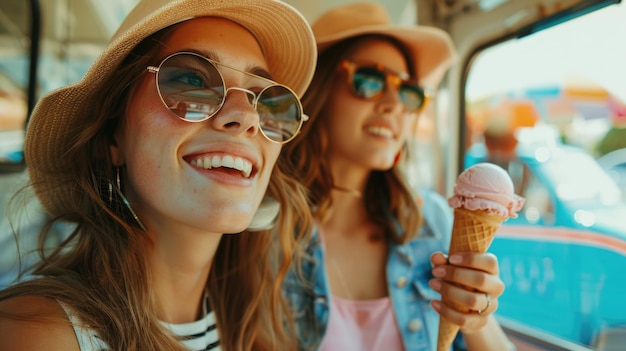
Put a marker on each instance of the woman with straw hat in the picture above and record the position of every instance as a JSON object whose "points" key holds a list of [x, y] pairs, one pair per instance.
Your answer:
{"points": [[372, 255], [167, 143]]}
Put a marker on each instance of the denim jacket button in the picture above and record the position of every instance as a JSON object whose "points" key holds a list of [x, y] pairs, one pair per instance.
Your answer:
{"points": [[415, 325], [401, 282], [320, 300]]}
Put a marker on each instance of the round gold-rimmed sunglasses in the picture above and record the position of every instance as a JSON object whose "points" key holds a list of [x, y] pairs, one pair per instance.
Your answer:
{"points": [[369, 82], [192, 87]]}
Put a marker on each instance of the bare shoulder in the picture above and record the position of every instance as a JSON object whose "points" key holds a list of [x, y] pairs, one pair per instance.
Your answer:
{"points": [[35, 323]]}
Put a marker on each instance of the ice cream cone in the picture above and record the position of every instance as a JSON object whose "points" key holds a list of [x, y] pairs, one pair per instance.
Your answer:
{"points": [[472, 231], [483, 198]]}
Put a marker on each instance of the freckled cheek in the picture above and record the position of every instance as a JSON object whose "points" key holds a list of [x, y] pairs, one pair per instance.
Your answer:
{"points": [[144, 135], [147, 108], [147, 177], [148, 122], [151, 137]]}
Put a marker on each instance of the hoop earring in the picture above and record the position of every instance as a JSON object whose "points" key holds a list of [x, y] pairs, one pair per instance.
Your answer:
{"points": [[127, 206], [118, 203], [110, 192], [117, 179]]}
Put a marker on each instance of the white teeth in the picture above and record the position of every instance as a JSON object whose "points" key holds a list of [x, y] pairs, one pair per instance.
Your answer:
{"points": [[238, 163], [226, 161], [386, 132], [247, 169], [216, 161]]}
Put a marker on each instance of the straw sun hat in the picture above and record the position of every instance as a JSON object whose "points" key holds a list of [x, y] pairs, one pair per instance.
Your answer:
{"points": [[284, 36], [430, 47]]}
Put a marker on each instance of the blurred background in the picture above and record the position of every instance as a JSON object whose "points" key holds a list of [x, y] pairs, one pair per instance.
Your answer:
{"points": [[539, 89]]}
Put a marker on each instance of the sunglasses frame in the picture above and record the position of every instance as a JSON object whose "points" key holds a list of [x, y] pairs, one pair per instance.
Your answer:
{"points": [[215, 65], [392, 78]]}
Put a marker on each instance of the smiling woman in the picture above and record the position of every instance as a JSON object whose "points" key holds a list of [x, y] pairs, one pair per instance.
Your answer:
{"points": [[161, 148], [377, 265], [560, 263]]}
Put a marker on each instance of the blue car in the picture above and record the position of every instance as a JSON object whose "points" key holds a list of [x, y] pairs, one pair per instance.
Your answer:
{"points": [[563, 260]]}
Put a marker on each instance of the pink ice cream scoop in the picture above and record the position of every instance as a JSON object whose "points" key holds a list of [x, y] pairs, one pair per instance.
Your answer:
{"points": [[486, 186]]}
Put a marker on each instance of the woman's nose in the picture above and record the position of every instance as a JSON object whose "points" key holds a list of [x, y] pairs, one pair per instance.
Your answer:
{"points": [[238, 114], [390, 101]]}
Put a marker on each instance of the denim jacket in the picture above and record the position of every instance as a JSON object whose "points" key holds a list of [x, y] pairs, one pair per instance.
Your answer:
{"points": [[408, 273]]}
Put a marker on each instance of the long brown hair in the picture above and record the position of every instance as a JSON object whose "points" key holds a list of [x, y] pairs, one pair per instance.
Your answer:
{"points": [[386, 192], [100, 273]]}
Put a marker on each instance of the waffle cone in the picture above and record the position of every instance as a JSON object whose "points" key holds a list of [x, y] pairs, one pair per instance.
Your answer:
{"points": [[472, 231]]}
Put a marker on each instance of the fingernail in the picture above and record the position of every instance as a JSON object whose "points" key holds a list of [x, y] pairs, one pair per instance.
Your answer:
{"points": [[456, 259], [439, 272], [435, 284], [436, 305]]}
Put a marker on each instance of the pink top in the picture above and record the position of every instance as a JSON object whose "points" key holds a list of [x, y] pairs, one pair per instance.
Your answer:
{"points": [[361, 325]]}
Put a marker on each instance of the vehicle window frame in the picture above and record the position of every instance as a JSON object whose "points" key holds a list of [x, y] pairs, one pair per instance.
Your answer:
{"points": [[32, 54]]}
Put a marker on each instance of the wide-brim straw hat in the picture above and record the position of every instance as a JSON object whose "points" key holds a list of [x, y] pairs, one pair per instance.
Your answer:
{"points": [[431, 48], [282, 32]]}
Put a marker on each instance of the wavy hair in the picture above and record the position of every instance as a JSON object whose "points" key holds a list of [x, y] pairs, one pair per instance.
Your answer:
{"points": [[305, 155], [100, 273]]}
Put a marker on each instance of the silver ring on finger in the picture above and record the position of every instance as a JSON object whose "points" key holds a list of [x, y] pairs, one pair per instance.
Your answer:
{"points": [[488, 304]]}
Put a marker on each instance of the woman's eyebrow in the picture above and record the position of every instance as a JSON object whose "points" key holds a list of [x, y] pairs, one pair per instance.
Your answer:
{"points": [[214, 56], [260, 71]]}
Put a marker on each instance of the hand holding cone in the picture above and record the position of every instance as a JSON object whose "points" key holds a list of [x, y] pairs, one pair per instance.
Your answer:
{"points": [[483, 198]]}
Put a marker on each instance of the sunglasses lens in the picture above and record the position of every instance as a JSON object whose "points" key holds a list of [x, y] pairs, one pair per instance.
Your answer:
{"points": [[368, 82], [411, 96], [280, 113], [193, 89], [190, 86]]}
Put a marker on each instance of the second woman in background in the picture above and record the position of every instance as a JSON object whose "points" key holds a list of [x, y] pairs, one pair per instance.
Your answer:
{"points": [[369, 284], [162, 160]]}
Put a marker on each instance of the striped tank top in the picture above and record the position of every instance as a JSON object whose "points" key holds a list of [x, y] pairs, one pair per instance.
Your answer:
{"points": [[200, 335]]}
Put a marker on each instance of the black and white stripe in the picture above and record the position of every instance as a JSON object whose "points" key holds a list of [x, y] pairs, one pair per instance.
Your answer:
{"points": [[200, 335]]}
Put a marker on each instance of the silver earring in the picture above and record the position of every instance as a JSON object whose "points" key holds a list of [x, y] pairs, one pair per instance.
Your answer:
{"points": [[117, 179], [116, 201], [125, 201], [110, 192]]}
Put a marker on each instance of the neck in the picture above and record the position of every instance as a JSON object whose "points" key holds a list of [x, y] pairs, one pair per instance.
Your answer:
{"points": [[348, 178], [180, 266]]}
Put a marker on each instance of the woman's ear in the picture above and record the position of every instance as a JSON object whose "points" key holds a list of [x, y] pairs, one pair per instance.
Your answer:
{"points": [[117, 156]]}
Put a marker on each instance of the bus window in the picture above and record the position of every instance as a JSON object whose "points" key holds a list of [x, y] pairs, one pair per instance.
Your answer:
{"points": [[548, 107], [15, 29], [65, 37], [43, 45]]}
